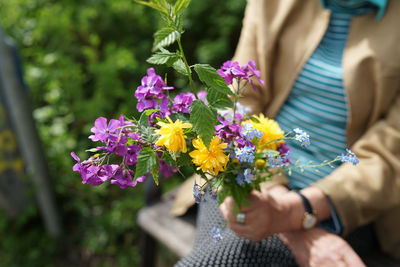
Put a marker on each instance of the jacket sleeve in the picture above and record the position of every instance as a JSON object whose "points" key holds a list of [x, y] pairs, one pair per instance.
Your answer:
{"points": [[363, 192], [247, 49]]}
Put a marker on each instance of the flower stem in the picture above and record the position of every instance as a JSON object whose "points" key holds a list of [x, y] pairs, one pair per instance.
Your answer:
{"points": [[187, 68]]}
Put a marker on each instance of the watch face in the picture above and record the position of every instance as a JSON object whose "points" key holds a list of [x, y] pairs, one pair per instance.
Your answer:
{"points": [[309, 221]]}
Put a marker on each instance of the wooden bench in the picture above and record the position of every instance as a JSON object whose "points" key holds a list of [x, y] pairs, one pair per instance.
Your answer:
{"points": [[178, 233]]}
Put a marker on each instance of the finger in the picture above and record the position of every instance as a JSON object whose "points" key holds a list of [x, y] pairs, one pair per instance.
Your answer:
{"points": [[253, 200], [352, 259], [227, 212], [241, 230]]}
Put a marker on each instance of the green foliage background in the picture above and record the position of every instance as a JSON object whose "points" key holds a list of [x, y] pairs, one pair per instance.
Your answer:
{"points": [[83, 59]]}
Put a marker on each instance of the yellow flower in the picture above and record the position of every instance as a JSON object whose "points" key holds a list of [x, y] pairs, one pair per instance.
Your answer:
{"points": [[171, 135], [271, 131], [213, 160]]}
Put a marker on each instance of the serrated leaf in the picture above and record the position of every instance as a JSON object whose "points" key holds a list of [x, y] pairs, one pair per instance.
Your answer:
{"points": [[168, 159], [180, 116], [147, 134], [172, 154], [180, 5], [155, 5], [146, 161], [178, 23], [144, 120], [219, 100], [165, 37], [203, 120], [154, 172], [163, 57], [180, 67], [212, 79]]}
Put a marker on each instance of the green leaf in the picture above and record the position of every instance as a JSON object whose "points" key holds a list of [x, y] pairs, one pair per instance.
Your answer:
{"points": [[172, 154], [178, 23], [180, 67], [255, 119], [155, 4], [93, 150], [163, 57], [146, 161], [222, 194], [180, 5], [184, 160], [143, 121], [167, 158], [180, 116], [165, 37], [144, 117], [147, 134], [154, 171], [203, 120], [218, 100], [212, 79]]}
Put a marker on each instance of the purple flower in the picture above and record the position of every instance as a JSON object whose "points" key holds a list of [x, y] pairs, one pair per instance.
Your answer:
{"points": [[97, 175], [134, 136], [79, 167], [132, 154], [152, 88], [166, 170], [146, 104], [103, 132], [285, 150], [254, 72], [123, 178], [182, 102], [229, 132], [164, 106], [231, 70], [152, 117]]}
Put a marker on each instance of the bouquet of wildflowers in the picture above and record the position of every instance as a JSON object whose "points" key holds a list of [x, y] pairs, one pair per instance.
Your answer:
{"points": [[208, 130]]}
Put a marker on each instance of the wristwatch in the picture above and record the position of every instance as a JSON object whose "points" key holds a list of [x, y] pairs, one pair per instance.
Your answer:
{"points": [[309, 218]]}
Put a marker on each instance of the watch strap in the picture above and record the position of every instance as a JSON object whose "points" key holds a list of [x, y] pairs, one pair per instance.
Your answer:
{"points": [[306, 203]]}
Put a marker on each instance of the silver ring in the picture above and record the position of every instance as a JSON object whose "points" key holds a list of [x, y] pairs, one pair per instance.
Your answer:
{"points": [[240, 218]]}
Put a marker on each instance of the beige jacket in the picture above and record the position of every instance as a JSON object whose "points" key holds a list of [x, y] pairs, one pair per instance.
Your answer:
{"points": [[280, 35]]}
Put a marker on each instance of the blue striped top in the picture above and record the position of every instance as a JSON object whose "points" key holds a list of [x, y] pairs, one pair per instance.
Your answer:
{"points": [[317, 104]]}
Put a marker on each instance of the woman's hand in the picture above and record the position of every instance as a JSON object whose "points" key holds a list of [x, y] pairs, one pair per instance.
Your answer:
{"points": [[268, 214], [274, 210], [317, 247]]}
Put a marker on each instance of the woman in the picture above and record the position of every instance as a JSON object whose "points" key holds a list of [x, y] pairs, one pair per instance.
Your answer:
{"points": [[331, 68]]}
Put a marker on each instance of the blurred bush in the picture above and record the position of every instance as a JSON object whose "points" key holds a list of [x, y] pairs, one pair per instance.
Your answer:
{"points": [[83, 59]]}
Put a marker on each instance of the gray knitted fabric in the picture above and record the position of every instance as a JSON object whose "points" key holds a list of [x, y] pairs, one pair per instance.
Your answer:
{"points": [[232, 250]]}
